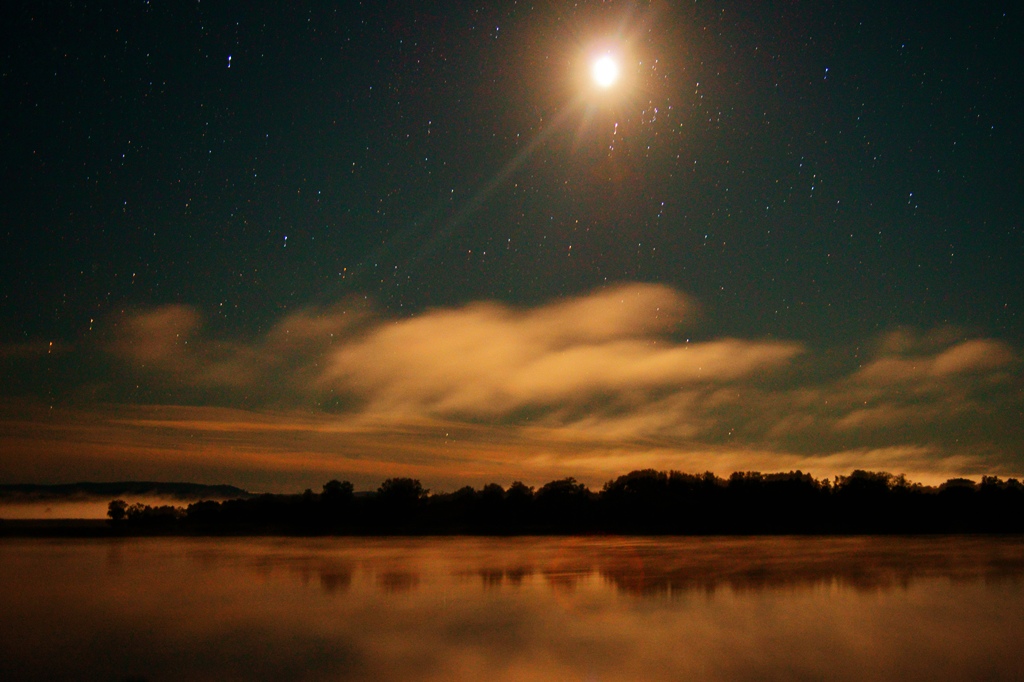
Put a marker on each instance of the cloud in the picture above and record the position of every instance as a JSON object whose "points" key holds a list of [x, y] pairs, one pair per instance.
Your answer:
{"points": [[167, 344], [973, 356], [978, 355], [159, 337], [484, 360], [587, 386], [488, 360]]}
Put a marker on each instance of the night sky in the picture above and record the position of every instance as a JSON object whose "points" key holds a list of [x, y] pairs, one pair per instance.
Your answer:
{"points": [[271, 244]]}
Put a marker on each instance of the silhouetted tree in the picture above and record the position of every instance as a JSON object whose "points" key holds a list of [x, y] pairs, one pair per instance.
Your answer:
{"points": [[338, 490], [865, 484], [143, 515], [203, 512], [565, 505], [518, 508], [862, 502], [117, 510], [398, 505], [491, 510], [519, 491], [336, 501], [639, 501], [401, 490], [642, 501]]}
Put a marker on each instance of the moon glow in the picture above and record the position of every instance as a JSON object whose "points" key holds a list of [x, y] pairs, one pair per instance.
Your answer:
{"points": [[605, 71]]}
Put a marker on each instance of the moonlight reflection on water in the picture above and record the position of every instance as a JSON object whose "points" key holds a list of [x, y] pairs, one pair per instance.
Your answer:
{"points": [[520, 608]]}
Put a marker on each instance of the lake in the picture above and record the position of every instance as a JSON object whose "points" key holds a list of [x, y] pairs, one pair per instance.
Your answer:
{"points": [[774, 608]]}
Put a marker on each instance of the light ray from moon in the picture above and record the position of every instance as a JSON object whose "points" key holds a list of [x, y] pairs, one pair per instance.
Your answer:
{"points": [[606, 71]]}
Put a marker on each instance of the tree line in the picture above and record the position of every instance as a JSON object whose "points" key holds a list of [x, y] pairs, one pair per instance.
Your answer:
{"points": [[640, 502]]}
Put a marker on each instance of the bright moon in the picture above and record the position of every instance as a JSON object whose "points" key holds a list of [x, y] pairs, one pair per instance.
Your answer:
{"points": [[605, 71]]}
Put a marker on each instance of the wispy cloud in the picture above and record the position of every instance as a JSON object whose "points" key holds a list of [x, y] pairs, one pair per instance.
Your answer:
{"points": [[488, 360]]}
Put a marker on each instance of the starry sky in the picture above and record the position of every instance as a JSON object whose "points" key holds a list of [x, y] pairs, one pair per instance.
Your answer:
{"points": [[271, 244]]}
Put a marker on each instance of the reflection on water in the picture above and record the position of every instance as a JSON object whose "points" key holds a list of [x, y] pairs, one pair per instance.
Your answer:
{"points": [[512, 609]]}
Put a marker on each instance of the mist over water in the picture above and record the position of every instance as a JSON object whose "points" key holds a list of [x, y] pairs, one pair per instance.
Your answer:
{"points": [[512, 609], [75, 508]]}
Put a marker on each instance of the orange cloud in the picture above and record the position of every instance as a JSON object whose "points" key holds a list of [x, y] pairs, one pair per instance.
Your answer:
{"points": [[967, 357], [589, 386], [159, 337], [978, 355], [488, 360]]}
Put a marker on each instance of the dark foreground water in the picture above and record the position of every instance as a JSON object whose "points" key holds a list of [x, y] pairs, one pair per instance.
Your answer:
{"points": [[947, 608]]}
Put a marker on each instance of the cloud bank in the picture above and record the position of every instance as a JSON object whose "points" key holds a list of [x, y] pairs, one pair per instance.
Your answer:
{"points": [[589, 386]]}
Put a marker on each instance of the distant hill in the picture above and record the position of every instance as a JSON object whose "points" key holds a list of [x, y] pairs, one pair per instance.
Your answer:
{"points": [[175, 491]]}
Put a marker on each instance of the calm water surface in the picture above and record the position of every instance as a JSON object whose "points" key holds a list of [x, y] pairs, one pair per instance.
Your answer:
{"points": [[513, 609]]}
